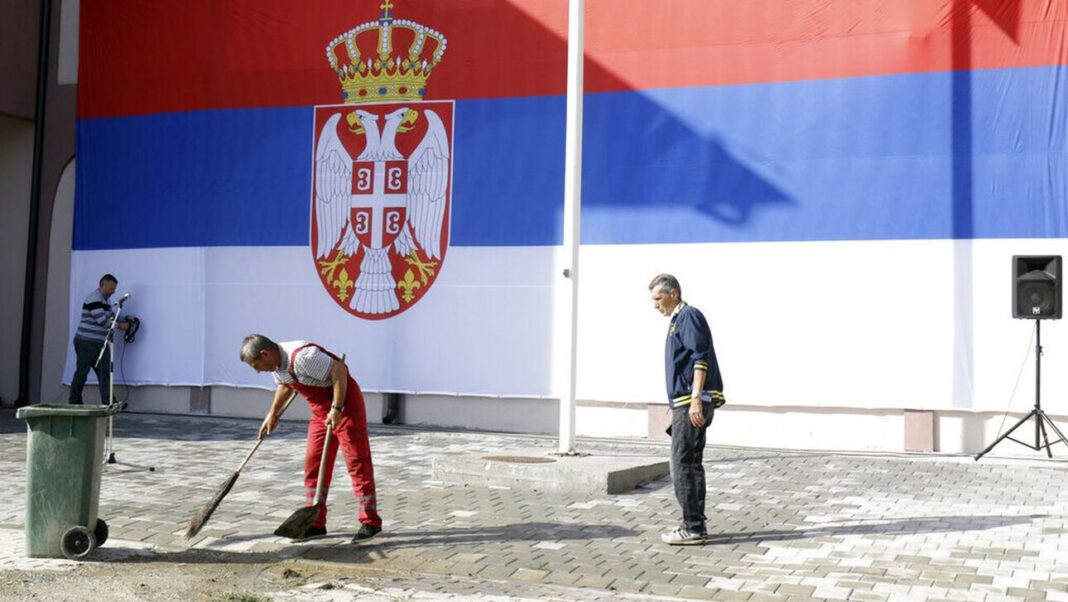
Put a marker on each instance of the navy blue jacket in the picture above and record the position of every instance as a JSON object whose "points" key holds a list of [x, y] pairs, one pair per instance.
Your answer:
{"points": [[689, 346]]}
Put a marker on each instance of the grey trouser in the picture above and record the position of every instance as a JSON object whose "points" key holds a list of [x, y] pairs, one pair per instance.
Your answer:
{"points": [[87, 352], [687, 468]]}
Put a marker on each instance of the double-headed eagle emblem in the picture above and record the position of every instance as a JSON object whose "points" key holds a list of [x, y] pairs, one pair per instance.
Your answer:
{"points": [[382, 170]]}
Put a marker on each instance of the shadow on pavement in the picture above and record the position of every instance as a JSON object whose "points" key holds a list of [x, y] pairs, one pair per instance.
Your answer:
{"points": [[167, 427], [331, 549], [907, 526]]}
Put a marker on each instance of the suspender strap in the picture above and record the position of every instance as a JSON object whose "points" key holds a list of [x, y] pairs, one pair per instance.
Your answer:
{"points": [[293, 358]]}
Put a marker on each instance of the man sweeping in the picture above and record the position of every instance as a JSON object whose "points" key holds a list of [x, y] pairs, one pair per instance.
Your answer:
{"points": [[336, 403]]}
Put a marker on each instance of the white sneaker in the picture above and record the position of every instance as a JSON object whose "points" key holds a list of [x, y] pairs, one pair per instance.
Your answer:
{"points": [[679, 536]]}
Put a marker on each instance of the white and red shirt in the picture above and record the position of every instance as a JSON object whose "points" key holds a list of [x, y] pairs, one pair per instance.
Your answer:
{"points": [[311, 365]]}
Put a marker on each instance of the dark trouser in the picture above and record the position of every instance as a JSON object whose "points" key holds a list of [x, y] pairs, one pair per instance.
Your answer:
{"points": [[687, 468], [87, 352]]}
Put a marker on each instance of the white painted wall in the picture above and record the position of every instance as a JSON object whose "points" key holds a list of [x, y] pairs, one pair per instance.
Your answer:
{"points": [[58, 329], [483, 413]]}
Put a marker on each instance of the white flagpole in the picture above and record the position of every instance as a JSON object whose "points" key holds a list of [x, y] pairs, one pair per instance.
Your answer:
{"points": [[566, 350]]}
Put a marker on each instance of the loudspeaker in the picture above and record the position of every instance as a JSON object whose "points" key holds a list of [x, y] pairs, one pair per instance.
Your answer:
{"points": [[1036, 287]]}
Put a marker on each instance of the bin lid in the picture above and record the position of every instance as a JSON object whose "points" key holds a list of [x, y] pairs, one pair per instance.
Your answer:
{"points": [[65, 409]]}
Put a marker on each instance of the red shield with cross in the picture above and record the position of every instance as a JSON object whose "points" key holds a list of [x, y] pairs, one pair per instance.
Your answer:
{"points": [[379, 199], [381, 191]]}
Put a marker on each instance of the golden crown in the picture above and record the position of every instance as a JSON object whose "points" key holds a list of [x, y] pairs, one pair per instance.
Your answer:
{"points": [[368, 68]]}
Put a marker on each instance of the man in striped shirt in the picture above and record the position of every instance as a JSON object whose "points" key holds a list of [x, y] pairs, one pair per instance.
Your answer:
{"points": [[336, 403], [90, 337]]}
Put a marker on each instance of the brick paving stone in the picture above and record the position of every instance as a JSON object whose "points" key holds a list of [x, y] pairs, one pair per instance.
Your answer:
{"points": [[1027, 594], [663, 589], [968, 580], [530, 575], [761, 597], [591, 570], [872, 525], [832, 593], [946, 585], [628, 585], [495, 573], [761, 587], [731, 596], [988, 590], [789, 589], [464, 568], [691, 592], [856, 585], [436, 566], [684, 580], [592, 581], [561, 578], [869, 597], [467, 557]]}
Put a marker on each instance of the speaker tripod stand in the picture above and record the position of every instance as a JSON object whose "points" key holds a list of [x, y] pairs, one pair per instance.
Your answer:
{"points": [[1041, 419]]}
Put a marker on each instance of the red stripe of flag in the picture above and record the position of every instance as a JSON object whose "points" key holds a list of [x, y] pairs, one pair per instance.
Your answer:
{"points": [[151, 56]]}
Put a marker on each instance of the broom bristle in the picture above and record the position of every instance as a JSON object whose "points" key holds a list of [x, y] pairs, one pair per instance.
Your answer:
{"points": [[198, 521]]}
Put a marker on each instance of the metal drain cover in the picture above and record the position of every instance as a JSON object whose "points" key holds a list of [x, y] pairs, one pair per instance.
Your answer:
{"points": [[520, 459]]}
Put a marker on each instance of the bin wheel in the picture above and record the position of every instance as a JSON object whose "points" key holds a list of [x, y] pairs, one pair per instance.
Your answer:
{"points": [[77, 543], [100, 532]]}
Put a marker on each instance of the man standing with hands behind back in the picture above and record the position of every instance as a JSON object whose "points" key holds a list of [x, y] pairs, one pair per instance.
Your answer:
{"points": [[694, 389]]}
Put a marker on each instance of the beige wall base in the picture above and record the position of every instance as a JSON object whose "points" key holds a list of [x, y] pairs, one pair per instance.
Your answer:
{"points": [[921, 431], [837, 429]]}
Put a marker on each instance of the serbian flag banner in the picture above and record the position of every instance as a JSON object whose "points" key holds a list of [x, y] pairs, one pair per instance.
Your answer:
{"points": [[838, 184]]}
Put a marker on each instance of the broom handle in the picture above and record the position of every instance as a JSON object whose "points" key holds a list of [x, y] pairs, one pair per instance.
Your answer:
{"points": [[322, 461], [322, 470], [281, 411]]}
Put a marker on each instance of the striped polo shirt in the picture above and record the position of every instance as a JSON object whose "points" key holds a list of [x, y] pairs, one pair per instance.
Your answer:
{"points": [[96, 317], [311, 365]]}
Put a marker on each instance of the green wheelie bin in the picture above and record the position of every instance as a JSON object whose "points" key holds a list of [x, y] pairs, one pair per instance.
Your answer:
{"points": [[64, 460]]}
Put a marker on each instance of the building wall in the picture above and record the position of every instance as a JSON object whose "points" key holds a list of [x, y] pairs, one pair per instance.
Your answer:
{"points": [[57, 153], [18, 67], [621, 414], [57, 327], [18, 58], [16, 163], [889, 430]]}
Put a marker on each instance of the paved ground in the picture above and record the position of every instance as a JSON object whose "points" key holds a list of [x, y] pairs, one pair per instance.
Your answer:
{"points": [[785, 525]]}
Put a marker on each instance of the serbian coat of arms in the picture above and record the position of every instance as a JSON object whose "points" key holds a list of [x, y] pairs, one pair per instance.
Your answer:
{"points": [[382, 174]]}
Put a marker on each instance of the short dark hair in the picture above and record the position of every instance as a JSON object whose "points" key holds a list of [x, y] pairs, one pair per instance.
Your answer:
{"points": [[666, 283], [108, 278], [253, 345]]}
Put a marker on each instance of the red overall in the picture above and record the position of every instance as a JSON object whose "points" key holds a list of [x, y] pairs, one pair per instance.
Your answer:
{"points": [[350, 434]]}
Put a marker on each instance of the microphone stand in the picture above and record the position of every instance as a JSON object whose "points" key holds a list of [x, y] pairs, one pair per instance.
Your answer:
{"points": [[109, 346]]}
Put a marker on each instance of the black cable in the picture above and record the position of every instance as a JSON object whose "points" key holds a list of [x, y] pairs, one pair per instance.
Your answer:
{"points": [[122, 372], [1027, 354]]}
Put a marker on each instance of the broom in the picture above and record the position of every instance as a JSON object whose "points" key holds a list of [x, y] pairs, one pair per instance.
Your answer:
{"points": [[198, 521], [298, 523]]}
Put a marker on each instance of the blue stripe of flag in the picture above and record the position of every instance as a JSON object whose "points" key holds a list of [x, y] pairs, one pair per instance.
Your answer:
{"points": [[922, 156]]}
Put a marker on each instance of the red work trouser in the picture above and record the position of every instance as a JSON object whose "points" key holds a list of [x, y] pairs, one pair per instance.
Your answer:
{"points": [[351, 436]]}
